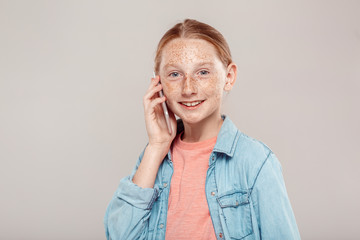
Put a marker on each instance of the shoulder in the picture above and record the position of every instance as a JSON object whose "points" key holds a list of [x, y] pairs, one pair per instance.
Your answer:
{"points": [[239, 146], [242, 158], [251, 148], [251, 155]]}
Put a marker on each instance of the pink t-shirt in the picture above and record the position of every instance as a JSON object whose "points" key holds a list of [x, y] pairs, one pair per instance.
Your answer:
{"points": [[188, 212]]}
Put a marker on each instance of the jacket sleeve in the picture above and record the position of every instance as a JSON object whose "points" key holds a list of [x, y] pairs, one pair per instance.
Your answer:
{"points": [[128, 212], [272, 207]]}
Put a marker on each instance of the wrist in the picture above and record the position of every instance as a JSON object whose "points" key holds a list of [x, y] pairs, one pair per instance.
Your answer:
{"points": [[159, 150]]}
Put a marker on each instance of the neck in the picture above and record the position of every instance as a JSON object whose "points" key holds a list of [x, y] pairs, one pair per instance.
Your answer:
{"points": [[203, 130]]}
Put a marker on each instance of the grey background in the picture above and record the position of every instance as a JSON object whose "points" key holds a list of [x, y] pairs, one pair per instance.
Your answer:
{"points": [[72, 78]]}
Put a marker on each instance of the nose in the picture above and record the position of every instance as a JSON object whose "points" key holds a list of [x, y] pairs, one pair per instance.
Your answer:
{"points": [[189, 86]]}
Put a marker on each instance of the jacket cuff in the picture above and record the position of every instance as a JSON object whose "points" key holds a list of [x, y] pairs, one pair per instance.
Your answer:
{"points": [[143, 198]]}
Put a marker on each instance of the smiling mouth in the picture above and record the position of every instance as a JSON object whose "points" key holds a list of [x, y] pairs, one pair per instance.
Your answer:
{"points": [[192, 104]]}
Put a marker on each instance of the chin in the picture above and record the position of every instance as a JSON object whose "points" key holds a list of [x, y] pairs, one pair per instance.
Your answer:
{"points": [[191, 118]]}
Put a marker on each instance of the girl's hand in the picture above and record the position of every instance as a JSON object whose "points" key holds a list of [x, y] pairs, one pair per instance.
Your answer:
{"points": [[158, 133]]}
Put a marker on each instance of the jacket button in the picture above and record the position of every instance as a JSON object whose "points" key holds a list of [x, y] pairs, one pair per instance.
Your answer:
{"points": [[212, 193], [161, 225], [220, 235], [165, 184], [213, 158]]}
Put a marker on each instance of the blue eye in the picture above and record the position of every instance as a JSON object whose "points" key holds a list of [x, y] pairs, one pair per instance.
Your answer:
{"points": [[174, 74], [204, 72]]}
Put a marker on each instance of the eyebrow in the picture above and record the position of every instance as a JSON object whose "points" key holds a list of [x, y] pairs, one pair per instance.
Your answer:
{"points": [[197, 65]]}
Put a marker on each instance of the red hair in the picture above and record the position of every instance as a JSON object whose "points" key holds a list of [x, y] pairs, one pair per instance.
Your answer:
{"points": [[190, 28]]}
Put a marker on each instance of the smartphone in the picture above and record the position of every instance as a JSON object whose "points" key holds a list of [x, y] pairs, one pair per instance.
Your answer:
{"points": [[164, 107]]}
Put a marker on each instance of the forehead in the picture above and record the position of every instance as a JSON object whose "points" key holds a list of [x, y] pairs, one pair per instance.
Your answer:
{"points": [[182, 50]]}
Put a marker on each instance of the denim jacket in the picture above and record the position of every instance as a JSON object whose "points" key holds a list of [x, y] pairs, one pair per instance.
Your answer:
{"points": [[244, 188]]}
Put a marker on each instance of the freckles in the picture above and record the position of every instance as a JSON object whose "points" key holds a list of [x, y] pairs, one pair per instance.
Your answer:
{"points": [[211, 88], [184, 53], [211, 85], [170, 88], [178, 51]]}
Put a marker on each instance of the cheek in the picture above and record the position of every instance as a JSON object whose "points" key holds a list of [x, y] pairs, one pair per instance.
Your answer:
{"points": [[171, 89], [212, 87]]}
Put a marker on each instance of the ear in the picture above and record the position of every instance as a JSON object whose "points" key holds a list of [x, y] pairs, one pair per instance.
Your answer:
{"points": [[230, 77]]}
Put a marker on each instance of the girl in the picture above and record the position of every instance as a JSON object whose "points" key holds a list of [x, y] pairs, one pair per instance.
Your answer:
{"points": [[205, 180]]}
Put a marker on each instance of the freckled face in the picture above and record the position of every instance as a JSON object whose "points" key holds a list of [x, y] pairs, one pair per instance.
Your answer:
{"points": [[193, 79]]}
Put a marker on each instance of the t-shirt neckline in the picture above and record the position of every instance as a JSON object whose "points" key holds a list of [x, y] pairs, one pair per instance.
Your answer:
{"points": [[195, 145]]}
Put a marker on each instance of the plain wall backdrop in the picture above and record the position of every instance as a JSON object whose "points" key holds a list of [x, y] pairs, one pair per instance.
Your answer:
{"points": [[72, 78]]}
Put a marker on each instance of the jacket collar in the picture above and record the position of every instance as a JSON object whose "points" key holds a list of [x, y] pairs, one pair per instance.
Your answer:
{"points": [[226, 139]]}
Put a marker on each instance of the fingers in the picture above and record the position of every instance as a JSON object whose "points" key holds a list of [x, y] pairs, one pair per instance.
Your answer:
{"points": [[149, 99], [154, 82], [151, 92], [155, 79], [157, 101]]}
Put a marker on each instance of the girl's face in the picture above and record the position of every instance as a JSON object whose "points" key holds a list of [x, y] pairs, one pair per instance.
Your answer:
{"points": [[193, 79]]}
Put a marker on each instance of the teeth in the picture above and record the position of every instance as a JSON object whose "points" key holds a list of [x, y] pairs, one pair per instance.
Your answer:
{"points": [[191, 104]]}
